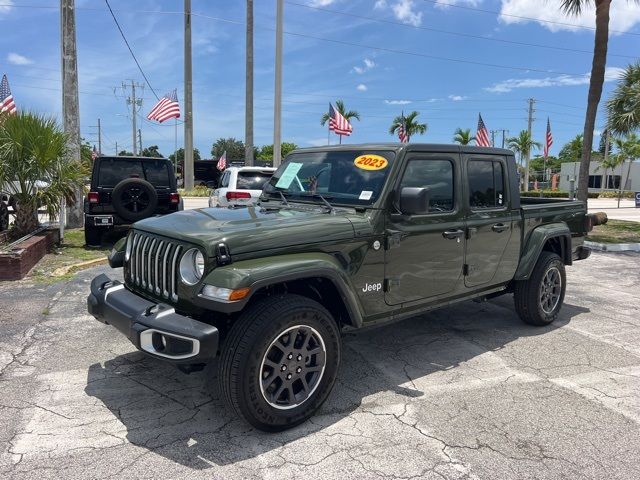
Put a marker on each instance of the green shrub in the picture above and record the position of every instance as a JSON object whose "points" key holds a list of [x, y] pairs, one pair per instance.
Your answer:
{"points": [[552, 194], [196, 192], [611, 194]]}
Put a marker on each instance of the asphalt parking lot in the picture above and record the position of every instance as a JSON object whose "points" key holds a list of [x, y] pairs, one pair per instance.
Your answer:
{"points": [[465, 392]]}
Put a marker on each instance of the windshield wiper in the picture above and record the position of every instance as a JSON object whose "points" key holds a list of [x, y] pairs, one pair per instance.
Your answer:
{"points": [[324, 200], [284, 199]]}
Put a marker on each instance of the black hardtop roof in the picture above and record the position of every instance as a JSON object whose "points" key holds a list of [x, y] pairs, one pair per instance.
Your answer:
{"points": [[410, 147], [122, 157]]}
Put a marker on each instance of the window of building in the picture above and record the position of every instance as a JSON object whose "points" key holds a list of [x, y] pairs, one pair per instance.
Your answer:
{"points": [[595, 181], [613, 181]]}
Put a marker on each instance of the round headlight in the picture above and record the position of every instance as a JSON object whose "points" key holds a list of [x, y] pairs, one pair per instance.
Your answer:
{"points": [[191, 266], [127, 251]]}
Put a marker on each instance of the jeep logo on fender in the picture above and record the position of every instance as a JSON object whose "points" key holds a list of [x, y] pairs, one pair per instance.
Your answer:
{"points": [[372, 287]]}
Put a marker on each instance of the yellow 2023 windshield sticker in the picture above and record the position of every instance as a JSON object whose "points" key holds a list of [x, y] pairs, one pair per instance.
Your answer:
{"points": [[371, 162]]}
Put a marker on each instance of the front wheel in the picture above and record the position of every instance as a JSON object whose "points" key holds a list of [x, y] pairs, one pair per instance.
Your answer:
{"points": [[539, 299], [280, 361]]}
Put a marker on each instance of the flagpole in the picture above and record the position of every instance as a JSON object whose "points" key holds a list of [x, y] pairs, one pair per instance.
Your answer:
{"points": [[175, 146]]}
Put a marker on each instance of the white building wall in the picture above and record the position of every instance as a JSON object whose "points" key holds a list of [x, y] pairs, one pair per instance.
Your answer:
{"points": [[630, 178]]}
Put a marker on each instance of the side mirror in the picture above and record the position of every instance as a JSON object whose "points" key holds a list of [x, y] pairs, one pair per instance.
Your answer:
{"points": [[414, 200]]}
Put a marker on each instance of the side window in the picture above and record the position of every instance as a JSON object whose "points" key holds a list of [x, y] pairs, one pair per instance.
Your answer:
{"points": [[486, 184], [437, 176], [224, 183]]}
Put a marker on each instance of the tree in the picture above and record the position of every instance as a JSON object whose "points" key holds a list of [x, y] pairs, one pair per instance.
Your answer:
{"points": [[348, 114], [596, 81], [623, 107], [266, 152], [571, 151], [151, 151], [180, 152], [610, 163], [36, 167], [410, 123], [463, 137], [125, 153], [233, 147], [538, 164], [603, 143], [522, 144], [628, 150]]}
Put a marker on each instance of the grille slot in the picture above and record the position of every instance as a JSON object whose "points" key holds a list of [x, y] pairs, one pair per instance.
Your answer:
{"points": [[153, 265]]}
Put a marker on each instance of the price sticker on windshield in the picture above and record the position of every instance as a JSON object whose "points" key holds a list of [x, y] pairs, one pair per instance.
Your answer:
{"points": [[371, 162]]}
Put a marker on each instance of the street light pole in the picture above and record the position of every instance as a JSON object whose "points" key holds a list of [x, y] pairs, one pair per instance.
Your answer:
{"points": [[277, 102], [187, 173]]}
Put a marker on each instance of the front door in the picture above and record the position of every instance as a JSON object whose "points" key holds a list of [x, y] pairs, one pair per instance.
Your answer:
{"points": [[424, 255], [489, 221]]}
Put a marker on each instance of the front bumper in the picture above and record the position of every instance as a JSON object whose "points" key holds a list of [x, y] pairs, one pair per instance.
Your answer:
{"points": [[153, 328]]}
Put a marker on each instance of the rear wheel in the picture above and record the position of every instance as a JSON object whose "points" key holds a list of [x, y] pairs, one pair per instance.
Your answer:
{"points": [[280, 361], [539, 299]]}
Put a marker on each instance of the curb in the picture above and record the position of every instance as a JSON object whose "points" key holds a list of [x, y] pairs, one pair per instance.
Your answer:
{"points": [[613, 247], [59, 272]]}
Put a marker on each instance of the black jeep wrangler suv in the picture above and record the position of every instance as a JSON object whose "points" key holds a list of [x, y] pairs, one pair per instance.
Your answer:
{"points": [[127, 189]]}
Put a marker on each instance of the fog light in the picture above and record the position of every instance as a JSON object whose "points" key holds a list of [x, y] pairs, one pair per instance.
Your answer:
{"points": [[226, 294]]}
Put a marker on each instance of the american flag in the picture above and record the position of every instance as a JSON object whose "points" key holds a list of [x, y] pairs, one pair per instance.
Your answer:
{"points": [[166, 108], [482, 136], [6, 99], [94, 153], [402, 131], [549, 139], [222, 162], [338, 123]]}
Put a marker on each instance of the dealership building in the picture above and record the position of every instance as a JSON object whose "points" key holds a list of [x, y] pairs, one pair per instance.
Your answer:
{"points": [[627, 175]]}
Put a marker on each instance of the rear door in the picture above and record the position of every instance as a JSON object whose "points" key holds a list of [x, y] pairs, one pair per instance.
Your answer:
{"points": [[425, 253], [490, 218]]}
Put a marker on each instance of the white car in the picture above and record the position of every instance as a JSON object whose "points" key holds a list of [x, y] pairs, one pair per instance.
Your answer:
{"points": [[240, 186]]}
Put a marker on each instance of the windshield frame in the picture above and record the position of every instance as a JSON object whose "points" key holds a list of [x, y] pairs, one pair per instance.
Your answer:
{"points": [[335, 198]]}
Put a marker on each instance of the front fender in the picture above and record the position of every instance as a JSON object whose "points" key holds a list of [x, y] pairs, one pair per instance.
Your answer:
{"points": [[535, 244], [263, 272]]}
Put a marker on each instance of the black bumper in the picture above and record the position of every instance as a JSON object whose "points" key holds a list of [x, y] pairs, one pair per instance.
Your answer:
{"points": [[153, 328], [581, 253]]}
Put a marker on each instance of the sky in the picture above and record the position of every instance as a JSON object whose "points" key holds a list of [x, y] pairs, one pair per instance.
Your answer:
{"points": [[447, 59]]}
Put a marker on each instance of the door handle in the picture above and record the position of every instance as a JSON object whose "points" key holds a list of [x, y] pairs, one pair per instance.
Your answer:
{"points": [[500, 227], [452, 234]]}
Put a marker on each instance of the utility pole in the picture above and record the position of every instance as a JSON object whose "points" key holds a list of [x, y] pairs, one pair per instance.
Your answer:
{"points": [[99, 138], [116, 148], [493, 137], [277, 99], [139, 141], [188, 101], [503, 136], [248, 109], [136, 105], [70, 102], [528, 152]]}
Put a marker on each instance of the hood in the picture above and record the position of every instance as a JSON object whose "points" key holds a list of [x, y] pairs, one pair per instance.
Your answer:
{"points": [[250, 229]]}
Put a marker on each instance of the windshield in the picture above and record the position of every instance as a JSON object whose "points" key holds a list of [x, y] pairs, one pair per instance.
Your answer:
{"points": [[354, 177], [252, 180], [113, 171]]}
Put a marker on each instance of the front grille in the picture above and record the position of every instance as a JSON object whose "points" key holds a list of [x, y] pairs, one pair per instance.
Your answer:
{"points": [[153, 265]]}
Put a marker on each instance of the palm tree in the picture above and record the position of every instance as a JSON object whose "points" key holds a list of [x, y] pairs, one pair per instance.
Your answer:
{"points": [[343, 111], [628, 149], [410, 123], [248, 127], [623, 107], [463, 137], [522, 144], [610, 162], [36, 167], [575, 7]]}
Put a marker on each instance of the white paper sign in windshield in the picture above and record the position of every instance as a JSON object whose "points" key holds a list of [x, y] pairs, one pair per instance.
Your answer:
{"points": [[288, 175]]}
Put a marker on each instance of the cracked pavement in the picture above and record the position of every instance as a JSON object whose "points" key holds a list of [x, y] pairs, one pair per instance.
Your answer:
{"points": [[466, 392]]}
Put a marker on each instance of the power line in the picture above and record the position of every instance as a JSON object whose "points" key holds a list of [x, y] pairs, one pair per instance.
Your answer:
{"points": [[130, 50], [493, 12], [450, 32]]}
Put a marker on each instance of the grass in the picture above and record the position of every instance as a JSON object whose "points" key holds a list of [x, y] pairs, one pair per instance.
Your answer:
{"points": [[616, 231], [70, 252], [196, 192]]}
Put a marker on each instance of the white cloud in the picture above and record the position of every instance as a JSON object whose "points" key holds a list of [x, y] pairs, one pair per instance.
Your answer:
{"points": [[6, 6], [457, 98], [397, 102], [361, 87], [624, 15], [611, 73], [17, 59], [317, 142], [368, 65], [444, 4], [403, 10], [321, 3]]}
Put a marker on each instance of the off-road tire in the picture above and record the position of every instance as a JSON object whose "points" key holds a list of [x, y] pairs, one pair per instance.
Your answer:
{"points": [[4, 217], [527, 293], [118, 200], [241, 359], [92, 236]]}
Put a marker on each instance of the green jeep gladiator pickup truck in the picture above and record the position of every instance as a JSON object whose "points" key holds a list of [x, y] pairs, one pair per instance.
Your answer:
{"points": [[343, 237]]}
